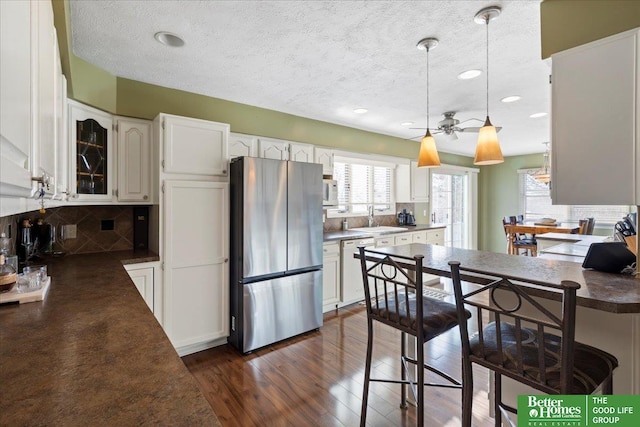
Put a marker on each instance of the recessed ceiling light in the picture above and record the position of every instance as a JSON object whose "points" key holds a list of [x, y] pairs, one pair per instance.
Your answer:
{"points": [[406, 123], [536, 115], [469, 74], [168, 39], [512, 98], [360, 110]]}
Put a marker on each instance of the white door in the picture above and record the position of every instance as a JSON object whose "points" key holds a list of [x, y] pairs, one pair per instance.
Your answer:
{"points": [[242, 146], [451, 205], [324, 156], [194, 147], [134, 160], [273, 149], [196, 255], [301, 152], [90, 153], [15, 98]]}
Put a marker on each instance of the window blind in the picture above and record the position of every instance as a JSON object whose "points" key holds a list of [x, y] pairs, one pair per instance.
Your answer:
{"points": [[361, 185], [535, 199]]}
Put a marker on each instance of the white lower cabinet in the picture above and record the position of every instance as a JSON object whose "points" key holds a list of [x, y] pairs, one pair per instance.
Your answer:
{"points": [[142, 276], [330, 276], [352, 284], [435, 237], [195, 251]]}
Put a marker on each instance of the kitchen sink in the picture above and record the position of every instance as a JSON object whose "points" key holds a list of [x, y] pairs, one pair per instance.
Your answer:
{"points": [[380, 229]]}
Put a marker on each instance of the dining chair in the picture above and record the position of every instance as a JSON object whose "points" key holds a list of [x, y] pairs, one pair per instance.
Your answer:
{"points": [[519, 241], [583, 225], [523, 341], [394, 298]]}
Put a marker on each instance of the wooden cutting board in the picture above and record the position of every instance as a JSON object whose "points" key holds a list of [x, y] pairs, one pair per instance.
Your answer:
{"points": [[24, 297], [632, 244]]}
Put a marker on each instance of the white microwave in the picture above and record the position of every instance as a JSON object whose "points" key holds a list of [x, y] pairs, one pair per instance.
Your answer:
{"points": [[329, 192]]}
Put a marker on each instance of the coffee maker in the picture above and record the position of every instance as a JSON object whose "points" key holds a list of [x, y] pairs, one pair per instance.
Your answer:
{"points": [[33, 239]]}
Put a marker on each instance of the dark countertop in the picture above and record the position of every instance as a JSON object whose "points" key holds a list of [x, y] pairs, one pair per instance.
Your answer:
{"points": [[350, 234], [92, 353], [615, 293]]}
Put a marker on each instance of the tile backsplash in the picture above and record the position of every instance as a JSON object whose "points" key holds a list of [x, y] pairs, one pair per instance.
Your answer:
{"points": [[89, 236], [335, 224]]}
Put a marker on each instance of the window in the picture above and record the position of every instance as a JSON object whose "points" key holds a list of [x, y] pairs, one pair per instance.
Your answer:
{"points": [[362, 183], [535, 199]]}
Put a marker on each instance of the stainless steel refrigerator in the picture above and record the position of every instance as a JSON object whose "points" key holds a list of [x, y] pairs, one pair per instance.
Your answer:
{"points": [[276, 250]]}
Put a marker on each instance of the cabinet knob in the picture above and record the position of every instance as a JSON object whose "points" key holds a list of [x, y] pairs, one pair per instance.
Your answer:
{"points": [[226, 260], [224, 171], [145, 197]]}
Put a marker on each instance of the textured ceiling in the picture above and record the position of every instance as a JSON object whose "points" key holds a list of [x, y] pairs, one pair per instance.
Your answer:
{"points": [[323, 59]]}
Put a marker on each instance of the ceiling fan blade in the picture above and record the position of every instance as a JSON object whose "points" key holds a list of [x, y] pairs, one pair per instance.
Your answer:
{"points": [[473, 118], [476, 129]]}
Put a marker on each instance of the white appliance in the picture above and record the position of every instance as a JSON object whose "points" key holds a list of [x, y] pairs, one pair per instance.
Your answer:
{"points": [[329, 192]]}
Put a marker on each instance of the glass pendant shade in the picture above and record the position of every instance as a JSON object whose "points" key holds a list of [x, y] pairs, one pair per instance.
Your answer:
{"points": [[543, 175], [428, 152], [488, 150]]}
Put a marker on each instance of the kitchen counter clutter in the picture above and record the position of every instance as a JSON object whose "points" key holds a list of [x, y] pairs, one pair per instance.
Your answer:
{"points": [[93, 353]]}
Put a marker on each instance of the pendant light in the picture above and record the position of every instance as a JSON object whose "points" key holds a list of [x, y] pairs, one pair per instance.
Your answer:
{"points": [[543, 175], [488, 150], [428, 156]]}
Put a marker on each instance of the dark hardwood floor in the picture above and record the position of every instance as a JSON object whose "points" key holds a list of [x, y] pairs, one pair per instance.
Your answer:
{"points": [[316, 379]]}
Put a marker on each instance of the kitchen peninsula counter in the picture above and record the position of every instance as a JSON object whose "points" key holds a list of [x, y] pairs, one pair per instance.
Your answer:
{"points": [[608, 305], [92, 353]]}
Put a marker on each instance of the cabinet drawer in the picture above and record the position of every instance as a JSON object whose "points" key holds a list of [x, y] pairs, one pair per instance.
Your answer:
{"points": [[419, 237], [385, 241], [329, 249], [435, 237], [404, 239]]}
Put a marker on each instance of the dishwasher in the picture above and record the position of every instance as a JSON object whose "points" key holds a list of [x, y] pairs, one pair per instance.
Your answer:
{"points": [[352, 285]]}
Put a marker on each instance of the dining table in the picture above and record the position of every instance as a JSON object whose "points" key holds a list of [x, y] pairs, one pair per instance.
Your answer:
{"points": [[513, 230]]}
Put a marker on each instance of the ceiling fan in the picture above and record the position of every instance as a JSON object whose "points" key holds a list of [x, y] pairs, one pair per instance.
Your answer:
{"points": [[449, 126]]}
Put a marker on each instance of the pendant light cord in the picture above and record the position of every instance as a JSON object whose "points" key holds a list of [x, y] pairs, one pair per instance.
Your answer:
{"points": [[427, 49], [487, 25]]}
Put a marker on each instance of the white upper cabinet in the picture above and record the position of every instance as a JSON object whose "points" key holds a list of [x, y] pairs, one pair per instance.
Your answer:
{"points": [[242, 146], [301, 152], [412, 183], [91, 153], [45, 80], [15, 98], [595, 123], [273, 149], [324, 156], [193, 146], [134, 160]]}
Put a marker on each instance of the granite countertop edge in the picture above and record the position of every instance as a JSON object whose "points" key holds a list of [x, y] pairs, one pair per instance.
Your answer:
{"points": [[329, 236]]}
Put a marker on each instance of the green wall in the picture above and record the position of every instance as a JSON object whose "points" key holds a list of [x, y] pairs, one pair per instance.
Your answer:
{"points": [[568, 23]]}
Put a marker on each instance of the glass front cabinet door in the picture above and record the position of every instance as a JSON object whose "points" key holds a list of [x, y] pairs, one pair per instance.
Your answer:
{"points": [[91, 153]]}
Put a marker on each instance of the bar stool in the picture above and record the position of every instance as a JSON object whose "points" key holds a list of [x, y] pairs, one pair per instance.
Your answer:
{"points": [[525, 341], [394, 298]]}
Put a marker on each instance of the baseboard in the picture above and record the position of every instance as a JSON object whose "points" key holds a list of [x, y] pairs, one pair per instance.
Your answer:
{"points": [[194, 348]]}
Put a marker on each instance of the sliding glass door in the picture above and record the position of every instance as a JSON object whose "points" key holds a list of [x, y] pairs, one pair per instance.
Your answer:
{"points": [[451, 205]]}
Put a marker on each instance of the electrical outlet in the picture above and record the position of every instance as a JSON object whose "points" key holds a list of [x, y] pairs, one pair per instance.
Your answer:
{"points": [[69, 231], [424, 212]]}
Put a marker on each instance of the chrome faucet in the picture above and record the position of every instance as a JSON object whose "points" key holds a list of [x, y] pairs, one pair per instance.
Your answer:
{"points": [[370, 209]]}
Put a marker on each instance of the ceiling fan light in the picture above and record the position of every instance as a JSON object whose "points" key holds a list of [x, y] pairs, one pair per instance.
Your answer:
{"points": [[428, 156], [488, 150]]}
